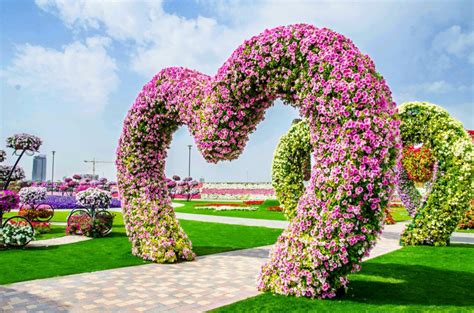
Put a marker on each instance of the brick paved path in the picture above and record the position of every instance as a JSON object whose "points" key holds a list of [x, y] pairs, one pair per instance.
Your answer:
{"points": [[57, 241]]}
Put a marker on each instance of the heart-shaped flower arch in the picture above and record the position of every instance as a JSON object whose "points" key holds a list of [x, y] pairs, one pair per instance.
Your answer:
{"points": [[354, 135], [452, 190]]}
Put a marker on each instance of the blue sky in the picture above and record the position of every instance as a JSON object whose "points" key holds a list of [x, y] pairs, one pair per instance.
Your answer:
{"points": [[70, 70]]}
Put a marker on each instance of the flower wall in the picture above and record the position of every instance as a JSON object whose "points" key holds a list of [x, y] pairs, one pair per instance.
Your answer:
{"points": [[354, 137], [452, 189]]}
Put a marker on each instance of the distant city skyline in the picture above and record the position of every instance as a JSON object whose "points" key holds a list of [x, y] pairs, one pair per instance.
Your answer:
{"points": [[70, 70]]}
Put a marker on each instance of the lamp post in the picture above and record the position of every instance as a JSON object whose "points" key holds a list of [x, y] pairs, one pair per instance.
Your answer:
{"points": [[189, 161], [52, 172]]}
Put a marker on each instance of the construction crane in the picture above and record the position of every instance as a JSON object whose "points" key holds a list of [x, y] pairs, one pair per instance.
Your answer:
{"points": [[94, 161]]}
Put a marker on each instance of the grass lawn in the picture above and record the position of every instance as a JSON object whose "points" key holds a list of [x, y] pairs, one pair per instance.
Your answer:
{"points": [[56, 231], [465, 230], [260, 213], [59, 215], [114, 251], [399, 213], [411, 279]]}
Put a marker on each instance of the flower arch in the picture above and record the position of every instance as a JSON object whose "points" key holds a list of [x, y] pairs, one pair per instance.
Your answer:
{"points": [[289, 160], [354, 137], [452, 189]]}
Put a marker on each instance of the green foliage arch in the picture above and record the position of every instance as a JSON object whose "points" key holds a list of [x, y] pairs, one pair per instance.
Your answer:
{"points": [[452, 190], [290, 162]]}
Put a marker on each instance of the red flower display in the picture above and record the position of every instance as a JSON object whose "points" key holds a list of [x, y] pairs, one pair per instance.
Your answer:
{"points": [[419, 163]]}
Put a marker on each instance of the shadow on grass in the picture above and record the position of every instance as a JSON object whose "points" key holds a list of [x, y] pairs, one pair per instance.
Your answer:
{"points": [[397, 284]]}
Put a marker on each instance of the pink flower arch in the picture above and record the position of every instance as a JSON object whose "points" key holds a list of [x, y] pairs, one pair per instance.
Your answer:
{"points": [[354, 134]]}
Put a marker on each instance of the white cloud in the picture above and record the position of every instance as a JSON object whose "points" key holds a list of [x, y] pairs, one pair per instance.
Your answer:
{"points": [[437, 87], [121, 19], [158, 39], [155, 38], [162, 39], [453, 41], [81, 74]]}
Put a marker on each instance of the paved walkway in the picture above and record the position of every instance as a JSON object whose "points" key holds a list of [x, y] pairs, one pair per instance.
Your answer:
{"points": [[57, 241], [209, 282], [232, 220]]}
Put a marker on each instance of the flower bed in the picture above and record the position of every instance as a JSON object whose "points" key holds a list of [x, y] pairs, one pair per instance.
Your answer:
{"points": [[254, 202], [69, 202], [41, 227], [245, 206], [275, 208], [237, 191], [228, 207], [41, 211]]}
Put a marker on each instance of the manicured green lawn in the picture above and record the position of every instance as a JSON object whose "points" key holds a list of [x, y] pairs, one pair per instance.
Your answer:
{"points": [[399, 213], [114, 251], [59, 215], [56, 231], [412, 279], [260, 213], [465, 230]]}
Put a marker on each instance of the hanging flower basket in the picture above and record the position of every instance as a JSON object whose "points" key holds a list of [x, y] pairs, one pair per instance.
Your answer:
{"points": [[24, 142]]}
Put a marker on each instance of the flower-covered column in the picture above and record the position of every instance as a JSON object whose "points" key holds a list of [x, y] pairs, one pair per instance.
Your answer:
{"points": [[165, 103], [354, 137]]}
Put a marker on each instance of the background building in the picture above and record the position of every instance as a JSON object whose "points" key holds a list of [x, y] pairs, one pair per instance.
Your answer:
{"points": [[39, 168]]}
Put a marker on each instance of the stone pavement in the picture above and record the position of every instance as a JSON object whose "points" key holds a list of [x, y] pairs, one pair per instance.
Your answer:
{"points": [[232, 220], [209, 282], [57, 241]]}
